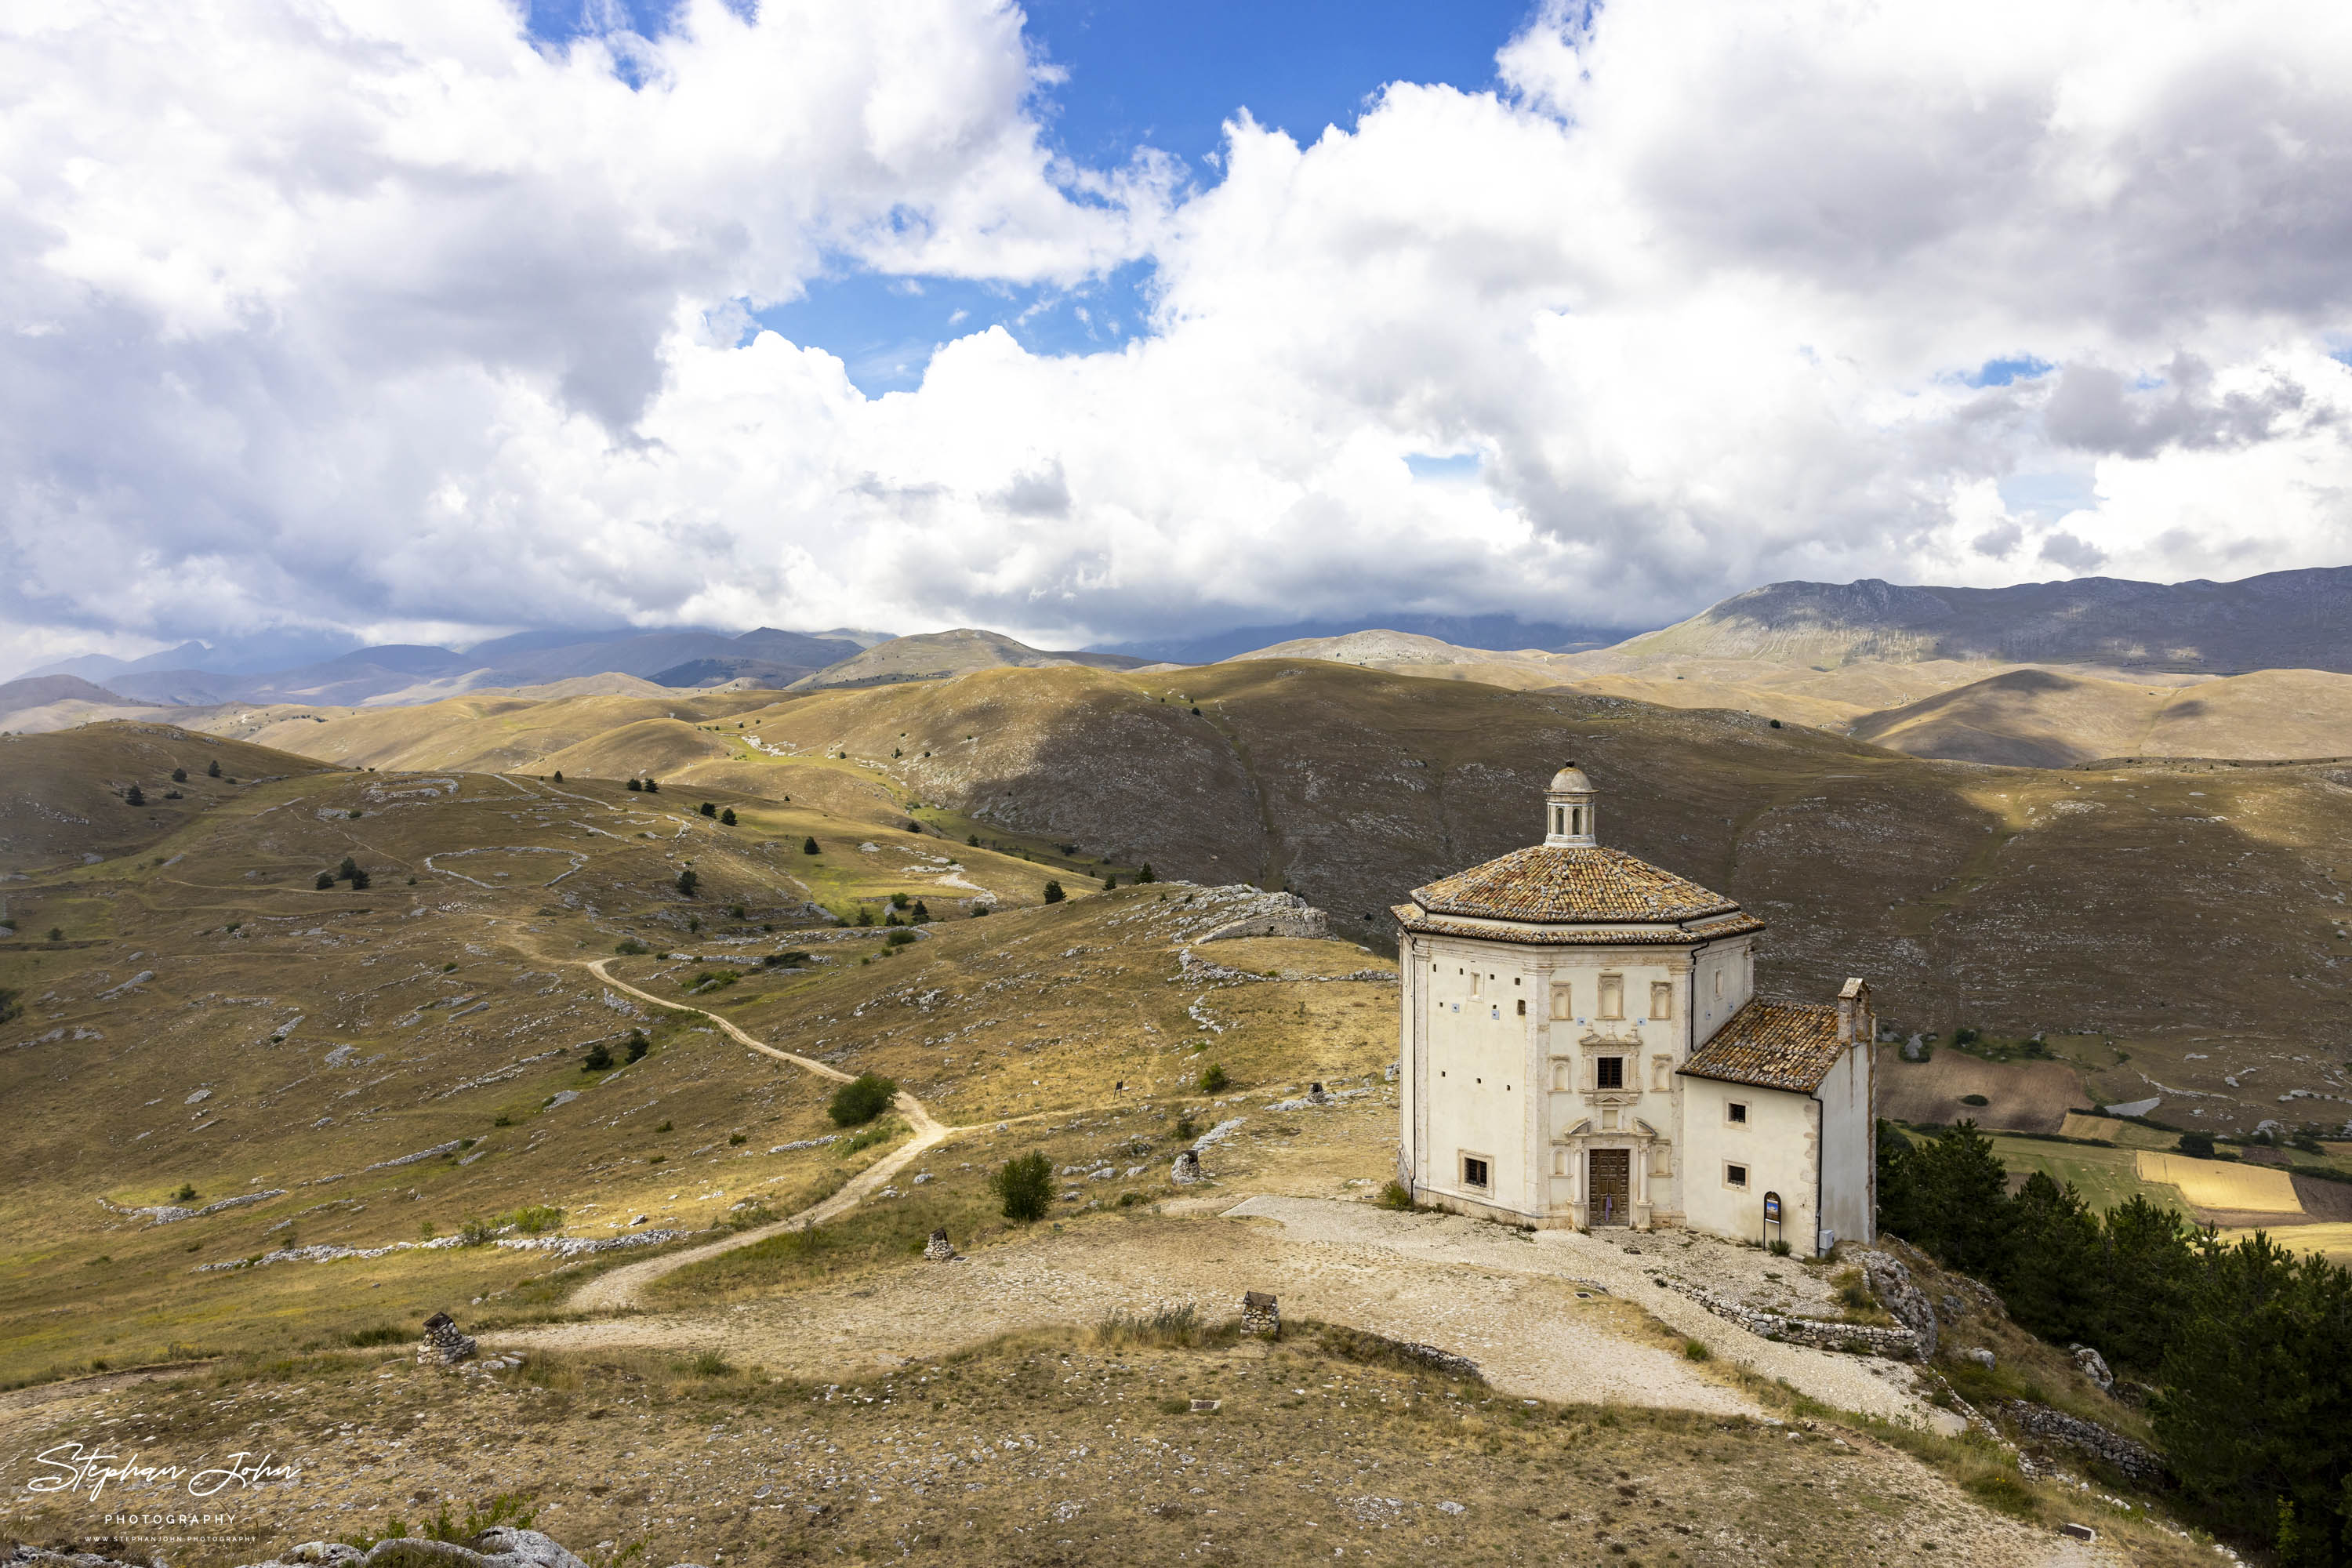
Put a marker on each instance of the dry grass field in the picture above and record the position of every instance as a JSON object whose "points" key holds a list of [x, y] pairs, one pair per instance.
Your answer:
{"points": [[2222, 1183]]}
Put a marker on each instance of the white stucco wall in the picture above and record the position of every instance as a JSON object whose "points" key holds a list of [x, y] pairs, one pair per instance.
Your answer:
{"points": [[1777, 1146], [1474, 1074], [1849, 1152]]}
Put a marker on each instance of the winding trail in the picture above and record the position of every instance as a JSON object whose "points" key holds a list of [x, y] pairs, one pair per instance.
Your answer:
{"points": [[621, 1288]]}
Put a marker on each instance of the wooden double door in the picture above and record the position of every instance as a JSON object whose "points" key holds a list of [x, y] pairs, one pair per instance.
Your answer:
{"points": [[1608, 1186]]}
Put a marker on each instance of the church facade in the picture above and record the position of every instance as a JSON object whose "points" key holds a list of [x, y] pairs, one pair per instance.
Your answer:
{"points": [[1582, 1045]]}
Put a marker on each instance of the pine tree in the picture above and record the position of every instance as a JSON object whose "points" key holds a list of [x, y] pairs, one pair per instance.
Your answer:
{"points": [[326, 880], [709, 810], [1110, 880], [922, 915], [211, 769], [687, 881], [348, 870], [134, 795], [638, 1045], [559, 775], [808, 845], [359, 879], [637, 784], [1054, 894], [179, 775], [1145, 874], [653, 786], [727, 817]]}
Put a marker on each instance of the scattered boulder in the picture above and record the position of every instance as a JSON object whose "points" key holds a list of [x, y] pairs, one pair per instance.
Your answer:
{"points": [[1981, 1356], [1186, 1170], [1261, 1315], [938, 1250], [1316, 1094], [501, 1546], [443, 1342], [1891, 1282], [2093, 1365]]}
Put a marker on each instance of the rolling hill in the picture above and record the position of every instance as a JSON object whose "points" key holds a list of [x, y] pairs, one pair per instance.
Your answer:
{"points": [[934, 656], [2046, 719]]}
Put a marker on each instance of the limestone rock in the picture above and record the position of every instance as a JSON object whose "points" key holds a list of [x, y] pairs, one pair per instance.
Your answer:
{"points": [[2093, 1365], [1187, 1169], [1982, 1357], [1890, 1282]]}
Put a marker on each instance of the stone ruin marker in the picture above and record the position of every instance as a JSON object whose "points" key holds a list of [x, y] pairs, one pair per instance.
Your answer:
{"points": [[1261, 1315], [443, 1342], [1316, 1095], [938, 1250], [1187, 1169]]}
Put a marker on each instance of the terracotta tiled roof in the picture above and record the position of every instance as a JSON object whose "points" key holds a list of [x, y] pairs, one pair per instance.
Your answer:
{"points": [[1563, 884], [1413, 919], [1772, 1045]]}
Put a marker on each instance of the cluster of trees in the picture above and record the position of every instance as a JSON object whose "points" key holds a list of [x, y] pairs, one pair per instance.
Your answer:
{"points": [[2248, 1344], [348, 871], [650, 786], [726, 816], [600, 1055]]}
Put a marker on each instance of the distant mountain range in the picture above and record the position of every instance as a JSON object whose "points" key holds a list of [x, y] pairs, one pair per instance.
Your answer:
{"points": [[2280, 620]]}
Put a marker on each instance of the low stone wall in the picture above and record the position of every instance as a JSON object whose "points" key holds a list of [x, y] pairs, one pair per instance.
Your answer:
{"points": [[1857, 1338], [2140, 1463]]}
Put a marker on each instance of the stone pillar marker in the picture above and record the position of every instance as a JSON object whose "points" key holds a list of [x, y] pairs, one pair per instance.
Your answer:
{"points": [[938, 1250], [1261, 1315], [443, 1342]]}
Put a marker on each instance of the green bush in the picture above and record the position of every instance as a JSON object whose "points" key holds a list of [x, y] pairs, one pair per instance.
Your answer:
{"points": [[898, 938], [2197, 1145], [1025, 1182], [1214, 1079], [1395, 1195], [534, 1219], [808, 845], [1145, 874], [687, 881], [638, 1045], [1696, 1350], [598, 1059], [727, 817], [1054, 894], [630, 947], [861, 1100], [1974, 1100]]}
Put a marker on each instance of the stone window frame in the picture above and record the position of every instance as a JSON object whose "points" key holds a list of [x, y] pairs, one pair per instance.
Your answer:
{"points": [[1662, 1001], [1465, 1159], [1661, 1074], [1563, 1001], [1600, 997], [1735, 1114], [1738, 1175], [1662, 1159], [1598, 1086]]}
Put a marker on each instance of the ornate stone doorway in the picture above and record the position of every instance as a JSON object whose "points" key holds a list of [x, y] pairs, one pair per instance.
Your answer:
{"points": [[1609, 1187]]}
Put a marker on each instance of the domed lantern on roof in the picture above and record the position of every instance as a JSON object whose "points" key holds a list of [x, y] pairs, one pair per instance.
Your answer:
{"points": [[1568, 808]]}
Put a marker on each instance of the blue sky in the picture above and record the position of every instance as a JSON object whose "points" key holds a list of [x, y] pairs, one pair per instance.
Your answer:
{"points": [[1154, 74]]}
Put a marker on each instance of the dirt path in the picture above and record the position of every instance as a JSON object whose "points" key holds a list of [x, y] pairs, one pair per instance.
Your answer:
{"points": [[621, 1288]]}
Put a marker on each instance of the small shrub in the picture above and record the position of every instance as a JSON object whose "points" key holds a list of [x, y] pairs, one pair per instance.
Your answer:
{"points": [[710, 1364], [638, 1045], [2197, 1145], [211, 769], [536, 1219], [179, 775], [656, 1159], [1054, 894], [808, 845], [1696, 1350], [978, 910], [866, 1138], [476, 1233], [634, 785], [727, 817], [134, 797], [186, 1194], [900, 900], [1779, 1249], [789, 960], [737, 1139], [598, 1059], [736, 911], [686, 882], [1965, 1036], [57, 934], [653, 786], [1214, 1079], [1974, 1100], [1025, 1182], [898, 938], [864, 916], [665, 1126], [707, 809], [1395, 1196], [861, 1100], [326, 880], [630, 947]]}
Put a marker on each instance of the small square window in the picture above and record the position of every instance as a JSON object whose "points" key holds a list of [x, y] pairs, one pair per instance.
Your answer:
{"points": [[1523, 1006], [1609, 1072], [1474, 1170], [1735, 1177], [1736, 1114]]}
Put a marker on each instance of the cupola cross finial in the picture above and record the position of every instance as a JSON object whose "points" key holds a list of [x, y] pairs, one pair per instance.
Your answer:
{"points": [[1569, 809]]}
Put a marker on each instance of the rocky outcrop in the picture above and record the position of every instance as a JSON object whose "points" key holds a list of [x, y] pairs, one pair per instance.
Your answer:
{"points": [[501, 1546], [1186, 1170], [2093, 1365], [1273, 915], [1891, 1282], [2113, 1448]]}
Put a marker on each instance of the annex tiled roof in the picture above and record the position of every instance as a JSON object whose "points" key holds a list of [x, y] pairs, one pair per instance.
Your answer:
{"points": [[1772, 1045], [1565, 884], [1413, 919]]}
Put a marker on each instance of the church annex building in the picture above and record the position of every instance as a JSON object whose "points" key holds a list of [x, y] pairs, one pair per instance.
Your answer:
{"points": [[1583, 1045]]}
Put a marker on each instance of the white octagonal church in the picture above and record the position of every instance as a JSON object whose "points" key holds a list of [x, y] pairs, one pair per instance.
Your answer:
{"points": [[1583, 1047]]}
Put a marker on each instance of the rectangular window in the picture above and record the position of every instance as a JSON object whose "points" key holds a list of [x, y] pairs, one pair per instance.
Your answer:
{"points": [[1609, 1072], [1474, 1170], [1560, 1000], [1523, 1006], [1736, 1114], [1613, 997], [1474, 983], [1735, 1177], [1662, 999], [1718, 983]]}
